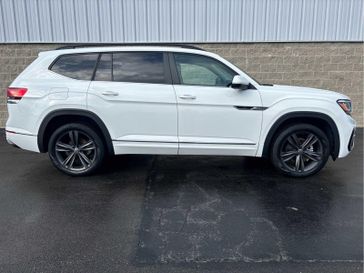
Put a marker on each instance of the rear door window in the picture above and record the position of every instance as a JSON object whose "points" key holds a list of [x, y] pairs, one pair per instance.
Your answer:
{"points": [[143, 67], [76, 66], [138, 67]]}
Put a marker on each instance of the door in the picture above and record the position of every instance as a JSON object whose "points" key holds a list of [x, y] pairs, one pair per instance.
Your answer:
{"points": [[214, 118], [132, 93]]}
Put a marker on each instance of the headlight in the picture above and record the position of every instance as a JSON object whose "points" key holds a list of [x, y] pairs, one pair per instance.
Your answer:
{"points": [[345, 105]]}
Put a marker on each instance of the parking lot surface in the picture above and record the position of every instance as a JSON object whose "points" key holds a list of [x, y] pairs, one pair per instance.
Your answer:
{"points": [[179, 214]]}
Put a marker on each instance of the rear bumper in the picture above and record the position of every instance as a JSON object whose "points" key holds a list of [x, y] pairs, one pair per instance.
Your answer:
{"points": [[22, 140]]}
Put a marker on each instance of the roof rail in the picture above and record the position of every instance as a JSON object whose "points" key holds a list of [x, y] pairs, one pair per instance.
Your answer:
{"points": [[73, 46]]}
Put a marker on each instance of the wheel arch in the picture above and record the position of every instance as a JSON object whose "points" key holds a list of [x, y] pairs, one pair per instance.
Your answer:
{"points": [[314, 118], [60, 117]]}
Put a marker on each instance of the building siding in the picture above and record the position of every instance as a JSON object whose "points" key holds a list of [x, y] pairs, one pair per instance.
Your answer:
{"points": [[121, 21]]}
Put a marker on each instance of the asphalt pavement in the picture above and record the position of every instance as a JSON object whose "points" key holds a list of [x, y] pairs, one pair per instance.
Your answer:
{"points": [[179, 214]]}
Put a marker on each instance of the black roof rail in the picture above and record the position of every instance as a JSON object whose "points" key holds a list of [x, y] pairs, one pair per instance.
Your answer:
{"points": [[73, 46]]}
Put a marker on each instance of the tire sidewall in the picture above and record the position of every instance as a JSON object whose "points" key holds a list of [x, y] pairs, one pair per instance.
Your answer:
{"points": [[283, 134], [100, 150]]}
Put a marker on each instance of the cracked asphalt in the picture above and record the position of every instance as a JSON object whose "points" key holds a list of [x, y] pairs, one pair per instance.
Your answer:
{"points": [[179, 214]]}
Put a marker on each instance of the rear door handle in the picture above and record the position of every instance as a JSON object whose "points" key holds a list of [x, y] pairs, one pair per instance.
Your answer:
{"points": [[110, 93], [187, 97]]}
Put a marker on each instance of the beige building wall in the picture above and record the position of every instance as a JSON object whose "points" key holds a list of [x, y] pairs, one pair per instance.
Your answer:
{"points": [[333, 66]]}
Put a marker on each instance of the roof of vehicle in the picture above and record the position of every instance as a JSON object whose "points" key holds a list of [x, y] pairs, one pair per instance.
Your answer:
{"points": [[85, 48], [74, 46]]}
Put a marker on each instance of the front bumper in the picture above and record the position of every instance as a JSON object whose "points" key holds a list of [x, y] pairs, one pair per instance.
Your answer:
{"points": [[347, 129], [352, 140]]}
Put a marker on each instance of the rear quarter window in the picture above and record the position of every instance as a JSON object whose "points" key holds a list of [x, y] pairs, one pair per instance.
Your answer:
{"points": [[76, 66]]}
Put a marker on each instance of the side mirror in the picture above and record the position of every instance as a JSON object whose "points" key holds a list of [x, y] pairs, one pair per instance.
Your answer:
{"points": [[240, 83]]}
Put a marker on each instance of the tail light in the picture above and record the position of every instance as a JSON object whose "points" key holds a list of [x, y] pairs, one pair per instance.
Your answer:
{"points": [[16, 93]]}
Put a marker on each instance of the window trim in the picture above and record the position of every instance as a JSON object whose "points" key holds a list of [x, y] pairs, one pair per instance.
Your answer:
{"points": [[176, 78], [173, 68], [97, 65]]}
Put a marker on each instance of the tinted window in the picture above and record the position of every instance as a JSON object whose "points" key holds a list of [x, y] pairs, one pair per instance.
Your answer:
{"points": [[76, 66], [201, 70], [145, 67], [103, 72]]}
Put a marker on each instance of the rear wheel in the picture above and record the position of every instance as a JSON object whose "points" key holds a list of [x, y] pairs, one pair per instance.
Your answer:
{"points": [[300, 150], [76, 149]]}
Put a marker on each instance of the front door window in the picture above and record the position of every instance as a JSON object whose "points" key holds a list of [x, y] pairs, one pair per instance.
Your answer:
{"points": [[202, 70]]}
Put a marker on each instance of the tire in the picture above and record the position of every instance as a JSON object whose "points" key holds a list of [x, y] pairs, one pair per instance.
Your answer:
{"points": [[300, 150], [76, 149]]}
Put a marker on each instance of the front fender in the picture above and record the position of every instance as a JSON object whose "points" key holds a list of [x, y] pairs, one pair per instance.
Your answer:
{"points": [[285, 110]]}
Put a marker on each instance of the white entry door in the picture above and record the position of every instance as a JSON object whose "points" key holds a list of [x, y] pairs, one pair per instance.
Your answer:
{"points": [[214, 118], [131, 93]]}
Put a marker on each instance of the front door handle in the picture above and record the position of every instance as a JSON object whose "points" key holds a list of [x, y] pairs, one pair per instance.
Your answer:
{"points": [[187, 97], [110, 93]]}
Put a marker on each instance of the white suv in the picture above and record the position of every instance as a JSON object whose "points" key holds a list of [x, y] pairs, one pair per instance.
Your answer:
{"points": [[82, 103]]}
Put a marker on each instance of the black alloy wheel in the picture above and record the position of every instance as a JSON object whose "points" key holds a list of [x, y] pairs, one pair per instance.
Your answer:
{"points": [[300, 150], [76, 149]]}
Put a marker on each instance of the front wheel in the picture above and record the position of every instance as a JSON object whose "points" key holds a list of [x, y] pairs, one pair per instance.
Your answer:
{"points": [[76, 149], [300, 150]]}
